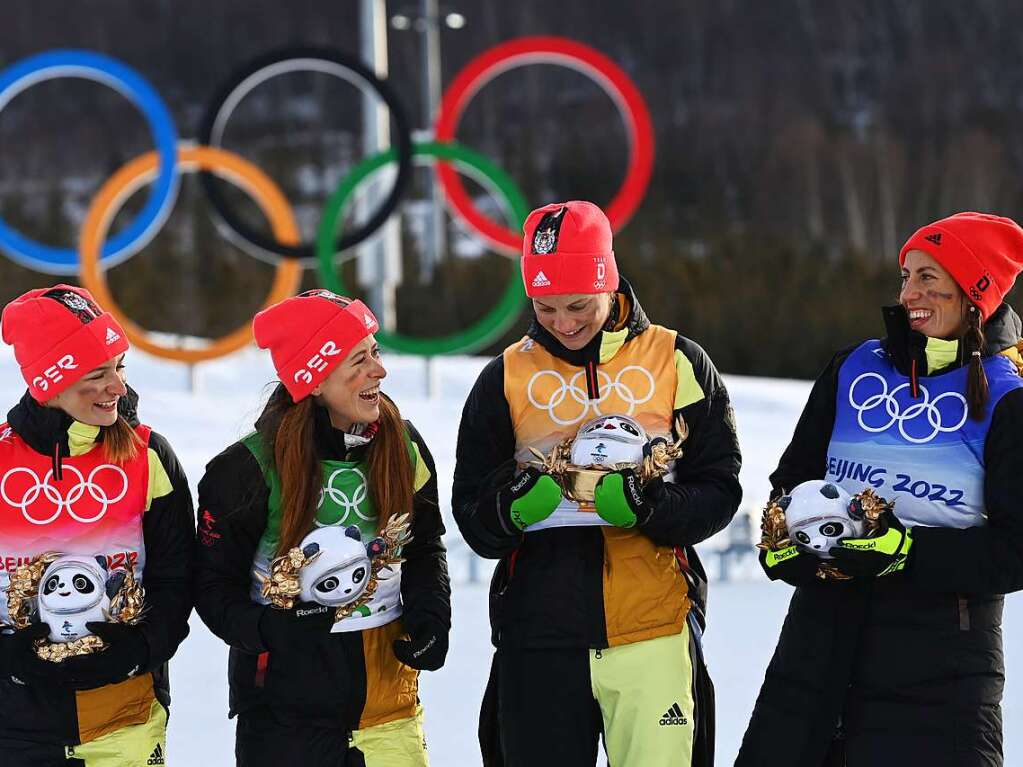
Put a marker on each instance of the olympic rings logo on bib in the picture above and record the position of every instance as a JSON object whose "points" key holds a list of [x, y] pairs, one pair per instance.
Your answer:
{"points": [[566, 402], [892, 412], [42, 487], [349, 504]]}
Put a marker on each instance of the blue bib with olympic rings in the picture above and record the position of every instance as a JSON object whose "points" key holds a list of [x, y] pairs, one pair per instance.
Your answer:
{"points": [[924, 453]]}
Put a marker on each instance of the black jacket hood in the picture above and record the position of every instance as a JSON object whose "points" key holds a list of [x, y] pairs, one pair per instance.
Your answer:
{"points": [[904, 345]]}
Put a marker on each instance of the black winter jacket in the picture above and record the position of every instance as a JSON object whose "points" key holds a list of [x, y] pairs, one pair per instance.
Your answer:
{"points": [[323, 684], [905, 669], [562, 567]]}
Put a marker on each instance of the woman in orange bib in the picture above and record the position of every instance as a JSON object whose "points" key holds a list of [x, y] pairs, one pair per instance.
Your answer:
{"points": [[596, 601]]}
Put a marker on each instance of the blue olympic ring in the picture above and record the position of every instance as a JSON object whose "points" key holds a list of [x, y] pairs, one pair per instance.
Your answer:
{"points": [[102, 69]]}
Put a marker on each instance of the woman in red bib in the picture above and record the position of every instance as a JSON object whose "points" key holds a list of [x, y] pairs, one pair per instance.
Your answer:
{"points": [[326, 674], [89, 498]]}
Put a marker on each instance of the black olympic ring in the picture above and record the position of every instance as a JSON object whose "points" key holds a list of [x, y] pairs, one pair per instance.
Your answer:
{"points": [[402, 143]]}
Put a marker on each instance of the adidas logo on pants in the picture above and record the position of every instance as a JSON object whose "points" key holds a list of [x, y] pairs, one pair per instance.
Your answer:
{"points": [[674, 715]]}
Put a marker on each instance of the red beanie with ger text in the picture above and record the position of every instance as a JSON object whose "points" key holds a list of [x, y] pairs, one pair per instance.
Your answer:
{"points": [[309, 335], [59, 334]]}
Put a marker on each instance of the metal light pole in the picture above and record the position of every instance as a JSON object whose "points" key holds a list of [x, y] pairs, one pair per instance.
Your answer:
{"points": [[379, 264], [427, 21]]}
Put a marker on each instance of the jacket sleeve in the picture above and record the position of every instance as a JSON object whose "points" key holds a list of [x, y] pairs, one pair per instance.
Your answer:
{"points": [[168, 526], [705, 493], [988, 559], [484, 461], [232, 516], [806, 456], [425, 588]]}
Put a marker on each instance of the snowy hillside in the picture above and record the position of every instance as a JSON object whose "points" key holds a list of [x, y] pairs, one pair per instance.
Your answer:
{"points": [[745, 613]]}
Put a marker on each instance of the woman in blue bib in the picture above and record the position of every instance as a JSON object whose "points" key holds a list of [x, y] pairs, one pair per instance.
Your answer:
{"points": [[902, 663], [325, 659]]}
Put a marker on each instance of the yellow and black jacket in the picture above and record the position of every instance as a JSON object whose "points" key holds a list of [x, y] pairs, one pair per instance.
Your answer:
{"points": [[350, 680], [595, 587], [157, 528]]}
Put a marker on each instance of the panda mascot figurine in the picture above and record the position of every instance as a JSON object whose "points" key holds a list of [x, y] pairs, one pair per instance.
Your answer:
{"points": [[818, 513], [341, 572], [74, 591], [608, 440]]}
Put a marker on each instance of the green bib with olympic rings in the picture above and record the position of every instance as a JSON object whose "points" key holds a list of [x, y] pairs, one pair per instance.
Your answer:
{"points": [[344, 497], [344, 500]]}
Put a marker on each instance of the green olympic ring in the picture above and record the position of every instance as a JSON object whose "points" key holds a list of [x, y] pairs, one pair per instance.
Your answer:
{"points": [[495, 322]]}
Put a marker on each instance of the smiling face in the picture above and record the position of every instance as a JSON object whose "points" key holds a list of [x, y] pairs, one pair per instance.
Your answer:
{"points": [[935, 303], [69, 589], [351, 393], [92, 399], [575, 318], [343, 585]]}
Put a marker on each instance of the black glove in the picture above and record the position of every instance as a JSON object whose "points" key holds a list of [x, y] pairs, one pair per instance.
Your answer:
{"points": [[884, 553], [18, 657], [529, 497], [305, 623], [791, 565], [425, 649], [126, 655], [622, 501]]}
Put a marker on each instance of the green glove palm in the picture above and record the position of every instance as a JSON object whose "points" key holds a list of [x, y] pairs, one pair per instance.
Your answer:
{"points": [[620, 499], [884, 554], [530, 497]]}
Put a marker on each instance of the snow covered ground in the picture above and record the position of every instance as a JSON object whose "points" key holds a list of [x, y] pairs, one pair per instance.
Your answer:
{"points": [[745, 613]]}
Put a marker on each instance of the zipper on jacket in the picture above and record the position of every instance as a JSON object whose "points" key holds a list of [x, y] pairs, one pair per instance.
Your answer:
{"points": [[592, 384], [58, 468], [964, 613], [597, 654], [914, 384]]}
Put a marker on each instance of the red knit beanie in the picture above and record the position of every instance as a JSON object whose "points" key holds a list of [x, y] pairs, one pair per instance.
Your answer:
{"points": [[567, 249], [983, 253], [309, 335], [59, 334]]}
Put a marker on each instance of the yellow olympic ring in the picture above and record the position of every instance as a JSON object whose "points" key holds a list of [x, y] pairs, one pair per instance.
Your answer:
{"points": [[142, 170]]}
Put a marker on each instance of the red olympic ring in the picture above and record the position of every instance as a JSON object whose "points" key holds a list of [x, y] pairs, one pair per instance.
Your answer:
{"points": [[547, 50]]}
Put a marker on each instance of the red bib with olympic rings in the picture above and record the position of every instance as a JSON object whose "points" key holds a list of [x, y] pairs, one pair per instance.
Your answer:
{"points": [[95, 508]]}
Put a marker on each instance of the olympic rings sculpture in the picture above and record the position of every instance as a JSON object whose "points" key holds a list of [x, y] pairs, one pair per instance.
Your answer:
{"points": [[895, 414], [94, 66], [284, 249], [498, 319]]}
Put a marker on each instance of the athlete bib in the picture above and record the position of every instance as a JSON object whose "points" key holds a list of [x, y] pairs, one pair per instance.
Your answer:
{"points": [[548, 401], [95, 509], [344, 500], [925, 452]]}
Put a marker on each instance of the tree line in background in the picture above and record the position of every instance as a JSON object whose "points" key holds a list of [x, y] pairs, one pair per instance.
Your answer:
{"points": [[799, 144]]}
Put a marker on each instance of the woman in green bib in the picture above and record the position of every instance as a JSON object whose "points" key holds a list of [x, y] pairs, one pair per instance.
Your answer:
{"points": [[319, 553]]}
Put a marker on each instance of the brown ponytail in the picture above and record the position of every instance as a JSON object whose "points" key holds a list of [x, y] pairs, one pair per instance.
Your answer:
{"points": [[121, 443], [391, 474], [287, 429], [288, 433], [976, 382]]}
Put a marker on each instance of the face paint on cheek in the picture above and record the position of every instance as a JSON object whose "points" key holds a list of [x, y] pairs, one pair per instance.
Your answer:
{"points": [[939, 294]]}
